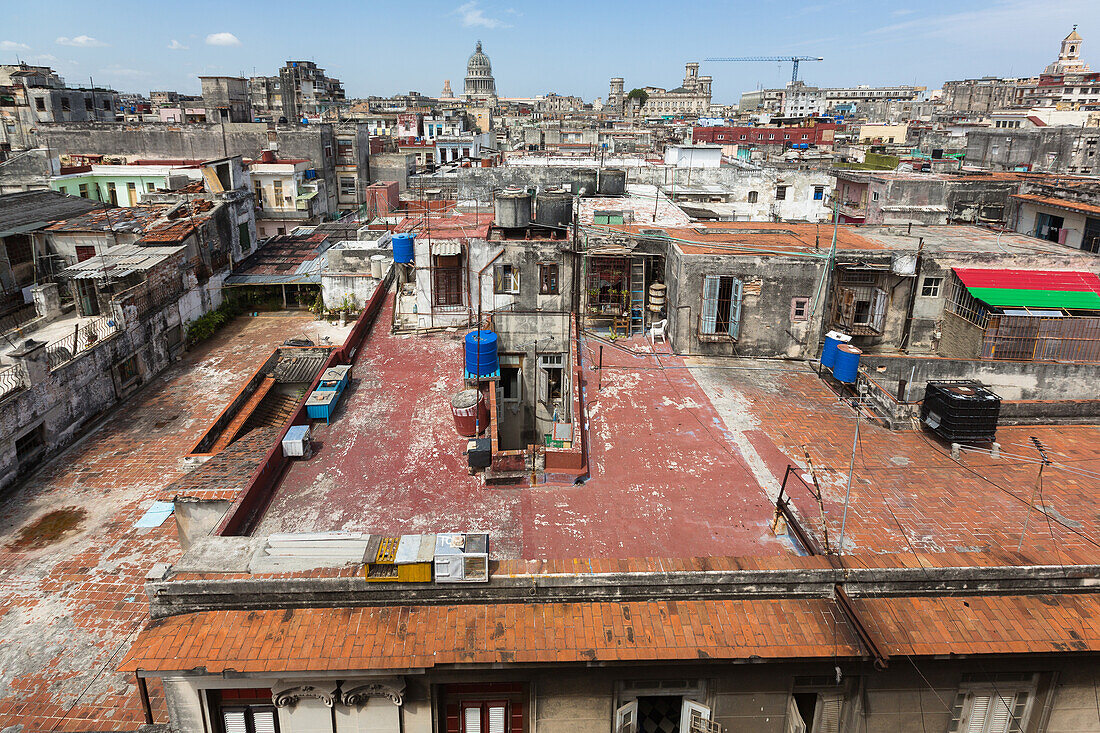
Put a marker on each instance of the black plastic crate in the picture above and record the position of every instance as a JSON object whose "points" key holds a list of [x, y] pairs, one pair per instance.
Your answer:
{"points": [[961, 411]]}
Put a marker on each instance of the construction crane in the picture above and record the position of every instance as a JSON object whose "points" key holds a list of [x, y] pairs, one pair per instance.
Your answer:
{"points": [[794, 59]]}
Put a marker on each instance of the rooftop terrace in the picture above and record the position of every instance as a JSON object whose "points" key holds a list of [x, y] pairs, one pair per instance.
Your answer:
{"points": [[666, 481]]}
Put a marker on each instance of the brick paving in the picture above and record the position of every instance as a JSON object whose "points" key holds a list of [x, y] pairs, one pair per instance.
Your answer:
{"points": [[72, 564], [907, 493]]}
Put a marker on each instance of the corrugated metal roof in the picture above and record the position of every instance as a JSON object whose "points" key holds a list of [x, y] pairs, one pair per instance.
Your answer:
{"points": [[446, 248], [1028, 279], [122, 260], [1026, 298]]}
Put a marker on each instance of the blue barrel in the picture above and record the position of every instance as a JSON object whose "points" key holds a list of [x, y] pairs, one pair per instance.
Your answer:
{"points": [[846, 365], [403, 248], [481, 353], [828, 351]]}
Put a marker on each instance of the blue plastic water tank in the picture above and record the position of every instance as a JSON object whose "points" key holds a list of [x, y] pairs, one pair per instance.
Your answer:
{"points": [[846, 365], [828, 351], [481, 353], [403, 248]]}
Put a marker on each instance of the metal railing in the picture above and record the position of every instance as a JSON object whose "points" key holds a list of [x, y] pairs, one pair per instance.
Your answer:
{"points": [[12, 380], [147, 298], [84, 337], [19, 317], [1035, 338]]}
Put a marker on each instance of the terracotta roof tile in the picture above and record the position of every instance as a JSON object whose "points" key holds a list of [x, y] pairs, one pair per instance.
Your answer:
{"points": [[284, 640]]}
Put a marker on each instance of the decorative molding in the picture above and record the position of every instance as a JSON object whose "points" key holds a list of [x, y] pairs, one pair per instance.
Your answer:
{"points": [[288, 695], [357, 692]]}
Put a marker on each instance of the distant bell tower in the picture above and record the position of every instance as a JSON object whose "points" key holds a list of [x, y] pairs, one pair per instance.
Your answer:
{"points": [[691, 75], [1071, 47], [1069, 56]]}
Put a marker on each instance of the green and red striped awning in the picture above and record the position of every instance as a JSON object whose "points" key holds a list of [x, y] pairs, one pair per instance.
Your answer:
{"points": [[1070, 290]]}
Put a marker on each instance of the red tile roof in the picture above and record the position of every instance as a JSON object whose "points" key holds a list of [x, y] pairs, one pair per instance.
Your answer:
{"points": [[314, 639], [1059, 203]]}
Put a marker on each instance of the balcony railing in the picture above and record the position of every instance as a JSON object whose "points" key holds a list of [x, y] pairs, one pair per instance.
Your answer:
{"points": [[12, 379], [17, 318], [84, 337]]}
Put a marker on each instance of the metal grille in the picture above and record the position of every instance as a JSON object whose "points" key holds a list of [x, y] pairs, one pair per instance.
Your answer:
{"points": [[12, 380], [965, 305], [83, 337], [447, 288], [1034, 338], [18, 317], [608, 285]]}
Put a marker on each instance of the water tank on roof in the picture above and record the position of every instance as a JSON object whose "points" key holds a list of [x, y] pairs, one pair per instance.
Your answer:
{"points": [[833, 339], [612, 182], [512, 208], [471, 412], [961, 411], [481, 353], [554, 209], [403, 248], [846, 363], [582, 181]]}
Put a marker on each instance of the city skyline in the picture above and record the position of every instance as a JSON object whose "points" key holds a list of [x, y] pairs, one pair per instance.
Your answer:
{"points": [[171, 48]]}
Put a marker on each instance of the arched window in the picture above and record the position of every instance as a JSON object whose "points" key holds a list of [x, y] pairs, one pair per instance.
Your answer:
{"points": [[753, 196]]}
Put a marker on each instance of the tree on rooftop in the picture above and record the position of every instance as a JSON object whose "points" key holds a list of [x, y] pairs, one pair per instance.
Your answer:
{"points": [[640, 94]]}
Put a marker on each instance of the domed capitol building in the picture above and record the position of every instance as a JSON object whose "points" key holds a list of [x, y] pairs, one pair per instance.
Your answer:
{"points": [[480, 85]]}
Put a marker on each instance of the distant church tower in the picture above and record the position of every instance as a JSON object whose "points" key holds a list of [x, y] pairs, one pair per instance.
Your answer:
{"points": [[447, 93], [1069, 56]]}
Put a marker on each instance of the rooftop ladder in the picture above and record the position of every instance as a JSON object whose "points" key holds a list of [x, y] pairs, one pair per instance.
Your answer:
{"points": [[637, 295]]}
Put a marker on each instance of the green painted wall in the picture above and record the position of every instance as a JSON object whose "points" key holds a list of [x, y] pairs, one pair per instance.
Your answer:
{"points": [[98, 188]]}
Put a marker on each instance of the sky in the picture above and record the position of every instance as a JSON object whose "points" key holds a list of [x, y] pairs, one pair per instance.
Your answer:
{"points": [[566, 46]]}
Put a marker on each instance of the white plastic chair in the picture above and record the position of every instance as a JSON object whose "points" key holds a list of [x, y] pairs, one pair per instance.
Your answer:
{"points": [[658, 329]]}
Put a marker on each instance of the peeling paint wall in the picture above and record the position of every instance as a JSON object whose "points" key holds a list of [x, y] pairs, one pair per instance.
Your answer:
{"points": [[77, 393]]}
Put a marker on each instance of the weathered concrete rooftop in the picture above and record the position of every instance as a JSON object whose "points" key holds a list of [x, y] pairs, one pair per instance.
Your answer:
{"points": [[686, 460], [72, 563], [718, 237], [666, 480]]}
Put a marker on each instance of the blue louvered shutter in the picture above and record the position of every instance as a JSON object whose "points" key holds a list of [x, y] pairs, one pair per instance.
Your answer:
{"points": [[735, 307], [710, 303]]}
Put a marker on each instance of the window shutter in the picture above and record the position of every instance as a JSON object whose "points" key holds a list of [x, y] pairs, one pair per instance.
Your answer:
{"points": [[234, 721], [828, 714], [1017, 723], [956, 712], [1000, 714], [795, 724], [263, 721], [878, 309], [979, 709], [471, 720], [517, 717], [710, 303], [454, 723], [626, 718], [496, 719], [735, 307]]}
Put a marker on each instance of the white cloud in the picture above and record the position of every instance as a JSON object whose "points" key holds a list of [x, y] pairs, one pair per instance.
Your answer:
{"points": [[123, 71], [176, 46], [81, 42], [47, 57], [222, 39], [472, 16], [13, 46]]}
